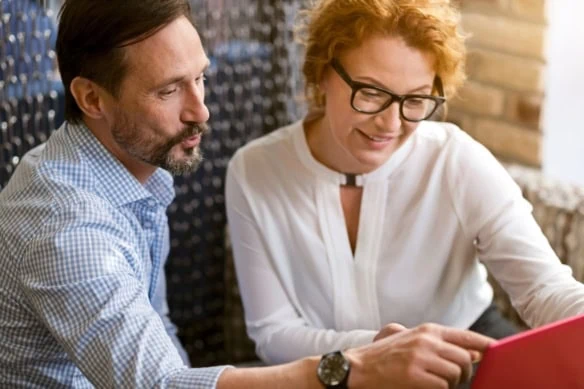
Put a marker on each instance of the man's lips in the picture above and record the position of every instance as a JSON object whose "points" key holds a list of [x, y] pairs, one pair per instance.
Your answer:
{"points": [[191, 142]]}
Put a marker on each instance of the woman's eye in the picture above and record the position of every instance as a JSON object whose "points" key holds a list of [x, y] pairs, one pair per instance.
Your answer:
{"points": [[415, 102], [370, 93]]}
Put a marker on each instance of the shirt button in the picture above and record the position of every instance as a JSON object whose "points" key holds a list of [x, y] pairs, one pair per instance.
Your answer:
{"points": [[148, 225], [151, 203]]}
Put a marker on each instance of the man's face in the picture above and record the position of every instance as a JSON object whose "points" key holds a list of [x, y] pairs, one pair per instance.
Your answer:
{"points": [[160, 116]]}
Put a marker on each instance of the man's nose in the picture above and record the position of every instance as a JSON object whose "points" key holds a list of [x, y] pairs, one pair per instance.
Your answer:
{"points": [[194, 109]]}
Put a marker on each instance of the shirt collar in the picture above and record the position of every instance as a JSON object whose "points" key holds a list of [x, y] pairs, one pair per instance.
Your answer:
{"points": [[118, 185]]}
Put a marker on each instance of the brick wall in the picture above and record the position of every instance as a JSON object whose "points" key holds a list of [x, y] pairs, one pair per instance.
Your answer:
{"points": [[501, 102]]}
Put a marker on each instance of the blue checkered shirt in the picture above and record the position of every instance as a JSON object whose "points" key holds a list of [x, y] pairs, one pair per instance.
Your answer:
{"points": [[82, 291]]}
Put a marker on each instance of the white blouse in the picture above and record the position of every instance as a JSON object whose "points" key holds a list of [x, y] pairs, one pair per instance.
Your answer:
{"points": [[440, 204]]}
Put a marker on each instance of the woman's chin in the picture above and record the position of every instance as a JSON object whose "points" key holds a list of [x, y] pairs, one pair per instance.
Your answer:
{"points": [[369, 161]]}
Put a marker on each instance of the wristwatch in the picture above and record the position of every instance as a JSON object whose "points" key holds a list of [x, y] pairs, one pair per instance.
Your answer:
{"points": [[333, 370]]}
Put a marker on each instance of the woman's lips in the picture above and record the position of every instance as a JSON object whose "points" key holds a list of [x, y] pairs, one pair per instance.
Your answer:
{"points": [[379, 138]]}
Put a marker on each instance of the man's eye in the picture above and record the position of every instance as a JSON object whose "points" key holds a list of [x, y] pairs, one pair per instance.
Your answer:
{"points": [[167, 92]]}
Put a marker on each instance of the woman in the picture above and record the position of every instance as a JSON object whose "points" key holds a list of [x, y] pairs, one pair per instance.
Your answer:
{"points": [[367, 212]]}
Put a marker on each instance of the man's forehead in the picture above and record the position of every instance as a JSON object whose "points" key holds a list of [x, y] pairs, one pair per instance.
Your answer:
{"points": [[175, 46]]}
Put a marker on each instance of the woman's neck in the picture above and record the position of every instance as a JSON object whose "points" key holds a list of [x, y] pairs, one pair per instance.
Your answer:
{"points": [[324, 150]]}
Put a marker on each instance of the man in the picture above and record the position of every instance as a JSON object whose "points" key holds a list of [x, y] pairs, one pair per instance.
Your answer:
{"points": [[84, 234]]}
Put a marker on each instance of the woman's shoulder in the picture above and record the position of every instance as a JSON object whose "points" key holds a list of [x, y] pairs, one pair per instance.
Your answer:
{"points": [[269, 148], [463, 159], [456, 149], [442, 133], [447, 138]]}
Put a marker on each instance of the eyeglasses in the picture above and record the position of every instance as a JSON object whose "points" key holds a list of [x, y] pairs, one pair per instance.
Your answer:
{"points": [[370, 99]]}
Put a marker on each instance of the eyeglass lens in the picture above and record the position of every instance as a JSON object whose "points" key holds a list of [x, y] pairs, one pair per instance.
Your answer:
{"points": [[369, 100]]}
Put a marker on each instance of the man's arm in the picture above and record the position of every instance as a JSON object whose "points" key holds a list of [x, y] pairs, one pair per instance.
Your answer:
{"points": [[428, 356], [160, 305], [88, 285]]}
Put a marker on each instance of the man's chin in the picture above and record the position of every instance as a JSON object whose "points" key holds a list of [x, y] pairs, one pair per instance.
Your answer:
{"points": [[183, 165]]}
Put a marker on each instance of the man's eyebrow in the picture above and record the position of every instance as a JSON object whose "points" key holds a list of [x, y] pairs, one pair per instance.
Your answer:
{"points": [[168, 82]]}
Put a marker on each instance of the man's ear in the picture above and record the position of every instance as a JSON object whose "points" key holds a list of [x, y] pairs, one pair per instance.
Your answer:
{"points": [[89, 97]]}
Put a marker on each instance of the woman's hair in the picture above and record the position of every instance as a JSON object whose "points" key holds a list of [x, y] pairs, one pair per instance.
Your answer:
{"points": [[330, 27], [92, 36]]}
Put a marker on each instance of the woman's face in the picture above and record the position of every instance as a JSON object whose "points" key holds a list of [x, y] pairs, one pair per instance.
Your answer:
{"points": [[358, 142]]}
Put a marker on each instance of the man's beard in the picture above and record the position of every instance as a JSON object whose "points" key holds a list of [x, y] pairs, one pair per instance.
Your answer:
{"points": [[154, 150]]}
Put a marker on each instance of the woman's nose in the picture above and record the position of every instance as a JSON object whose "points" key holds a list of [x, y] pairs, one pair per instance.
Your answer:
{"points": [[389, 119]]}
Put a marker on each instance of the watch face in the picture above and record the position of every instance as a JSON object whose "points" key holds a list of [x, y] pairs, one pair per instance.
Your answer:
{"points": [[333, 369]]}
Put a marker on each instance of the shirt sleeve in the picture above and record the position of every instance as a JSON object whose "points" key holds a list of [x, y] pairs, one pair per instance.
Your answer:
{"points": [[160, 305], [508, 240], [85, 282], [280, 333]]}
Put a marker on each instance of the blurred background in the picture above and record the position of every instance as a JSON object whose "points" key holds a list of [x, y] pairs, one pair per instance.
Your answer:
{"points": [[523, 92], [525, 76]]}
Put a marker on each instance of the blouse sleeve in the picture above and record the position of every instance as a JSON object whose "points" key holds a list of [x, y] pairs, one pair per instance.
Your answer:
{"points": [[279, 332], [508, 240]]}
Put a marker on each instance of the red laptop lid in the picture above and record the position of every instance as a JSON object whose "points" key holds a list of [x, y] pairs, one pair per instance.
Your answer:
{"points": [[551, 356]]}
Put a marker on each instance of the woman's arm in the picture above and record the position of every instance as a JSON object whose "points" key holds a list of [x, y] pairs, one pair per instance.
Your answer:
{"points": [[508, 239]]}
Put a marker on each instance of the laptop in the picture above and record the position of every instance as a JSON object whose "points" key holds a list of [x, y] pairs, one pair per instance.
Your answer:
{"points": [[547, 357]]}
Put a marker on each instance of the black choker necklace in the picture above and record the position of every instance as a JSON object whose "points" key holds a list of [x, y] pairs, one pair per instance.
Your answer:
{"points": [[351, 180]]}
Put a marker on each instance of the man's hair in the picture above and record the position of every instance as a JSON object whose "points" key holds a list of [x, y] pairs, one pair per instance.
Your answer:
{"points": [[93, 34], [331, 27]]}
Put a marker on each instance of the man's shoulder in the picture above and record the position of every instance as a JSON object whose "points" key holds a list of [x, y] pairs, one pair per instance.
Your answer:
{"points": [[53, 180], [44, 189]]}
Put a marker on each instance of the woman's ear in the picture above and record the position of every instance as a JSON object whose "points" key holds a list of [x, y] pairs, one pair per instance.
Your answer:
{"points": [[323, 83], [322, 86], [89, 97]]}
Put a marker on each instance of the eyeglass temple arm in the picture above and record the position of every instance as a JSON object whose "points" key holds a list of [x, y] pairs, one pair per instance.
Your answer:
{"points": [[438, 85]]}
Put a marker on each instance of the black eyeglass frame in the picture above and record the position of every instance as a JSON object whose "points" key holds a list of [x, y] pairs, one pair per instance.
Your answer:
{"points": [[357, 85]]}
